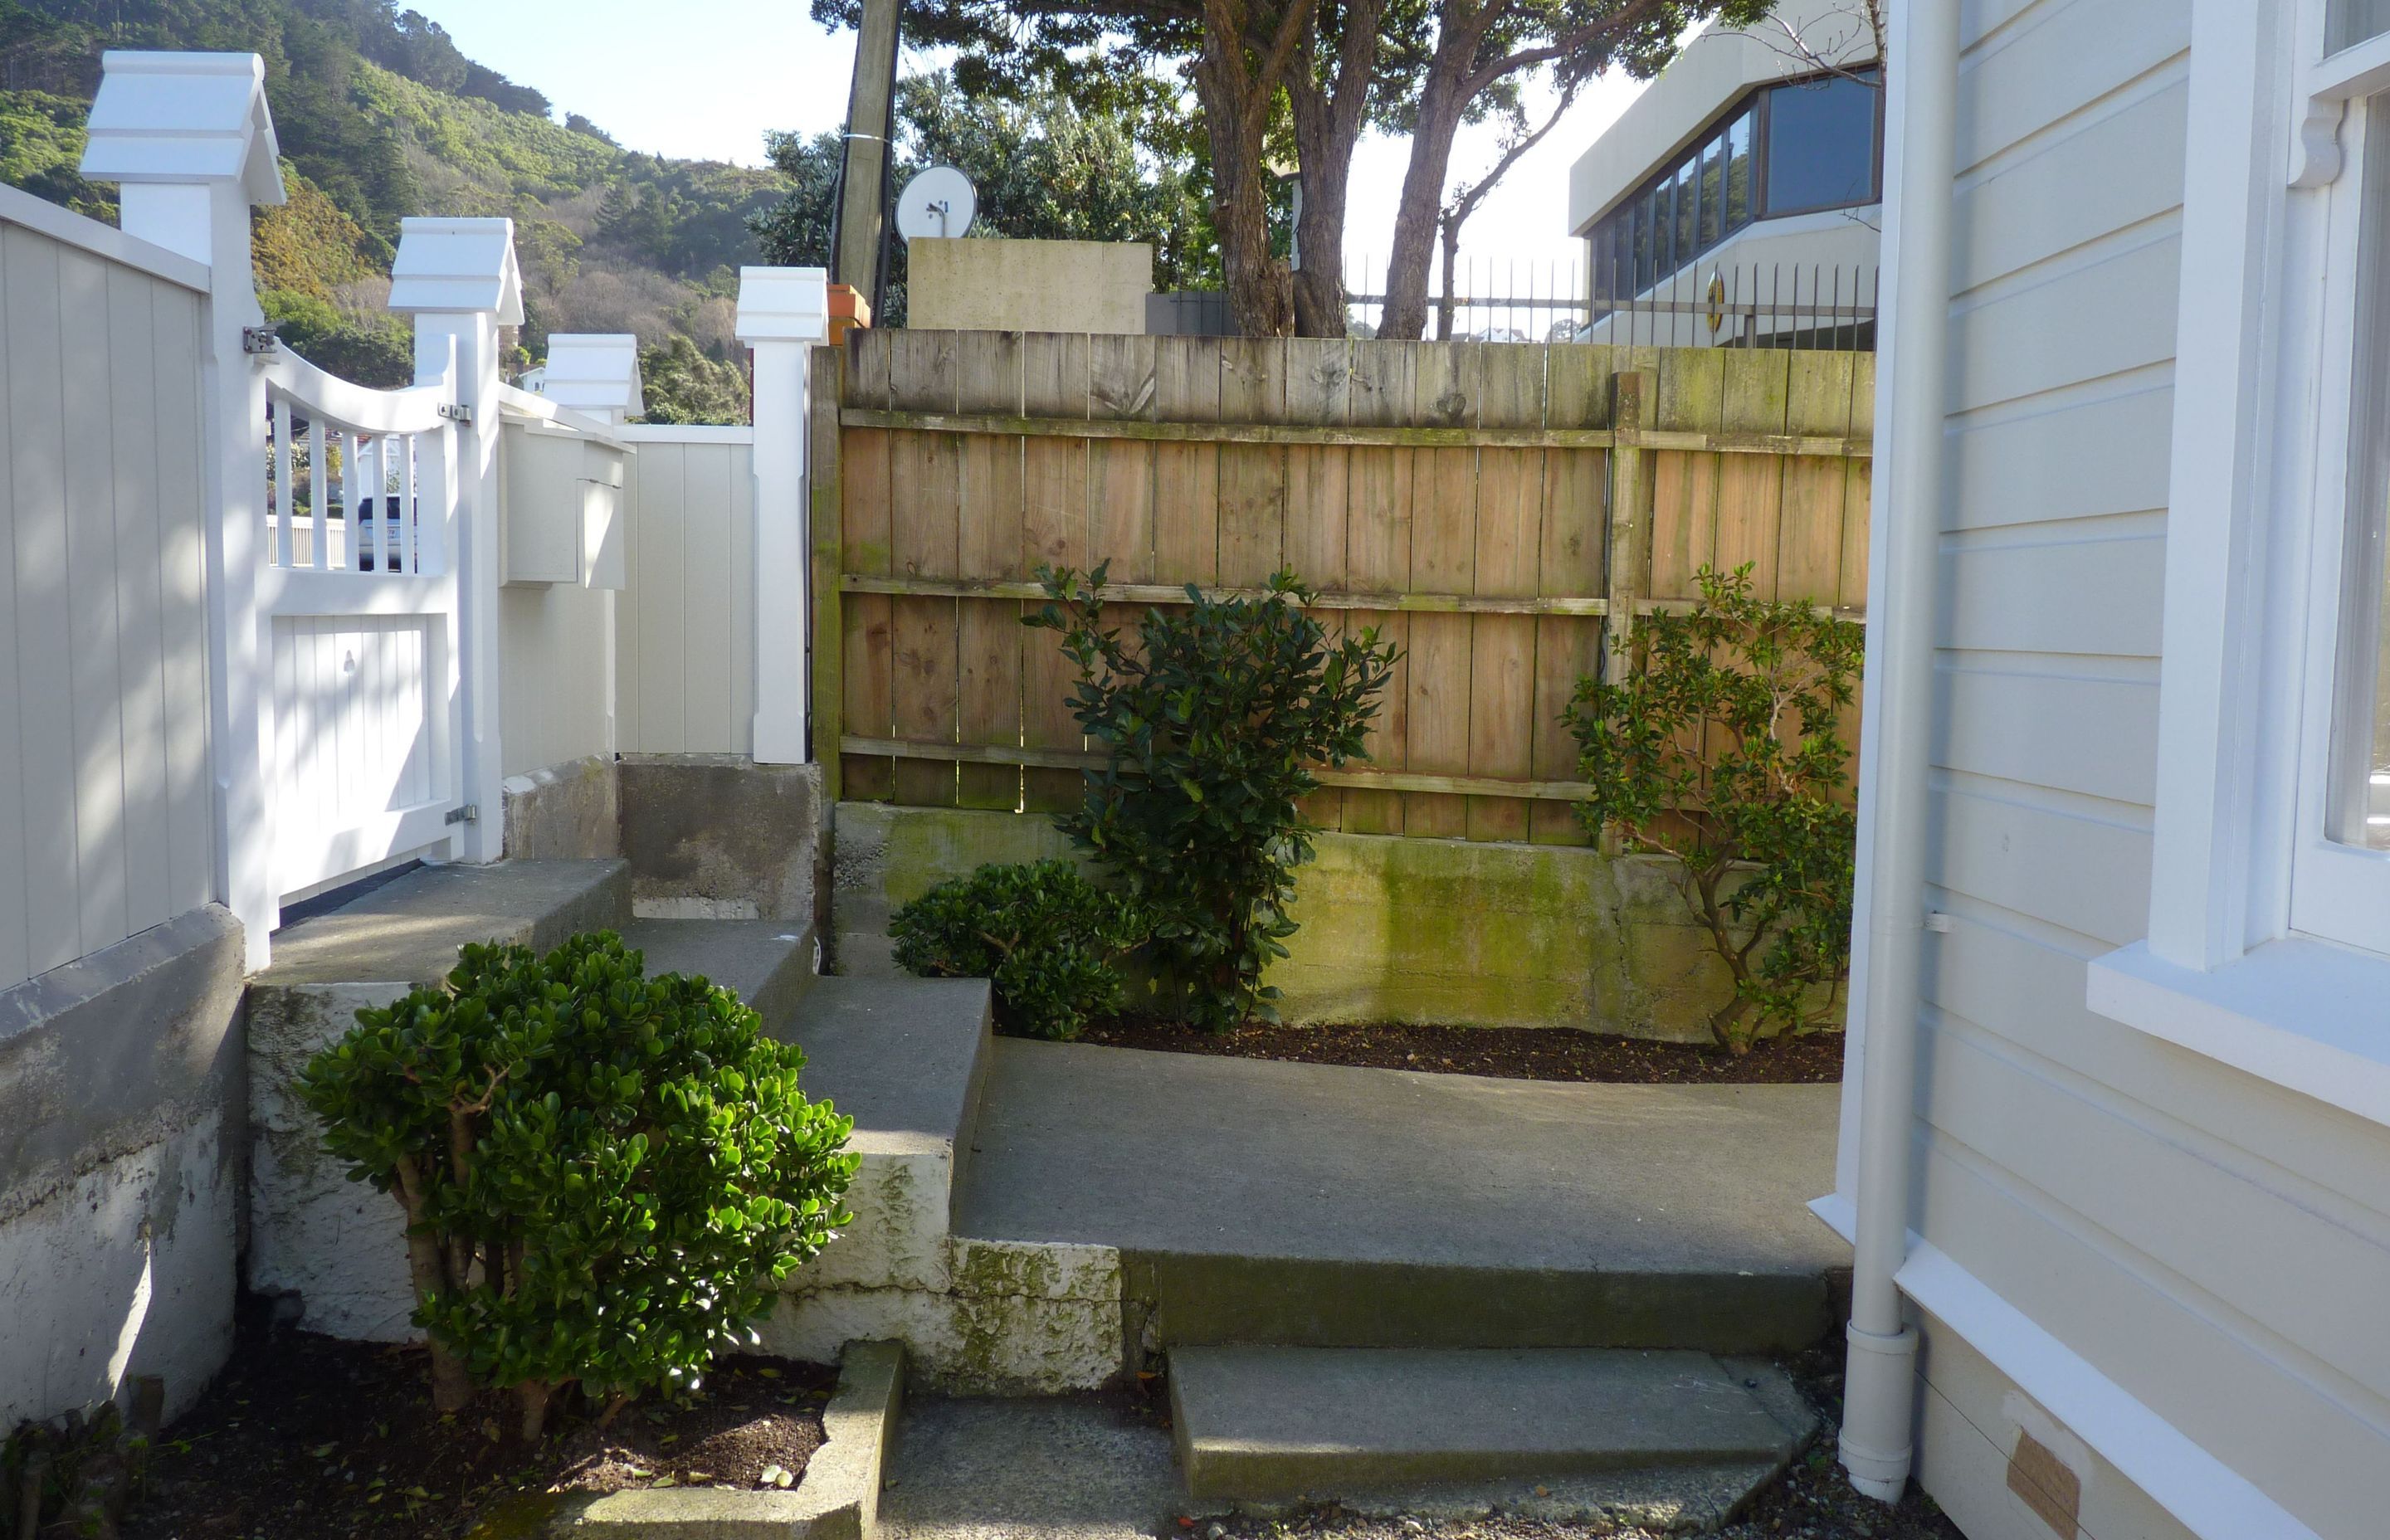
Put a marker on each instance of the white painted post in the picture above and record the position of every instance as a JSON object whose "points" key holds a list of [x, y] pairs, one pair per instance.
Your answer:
{"points": [[783, 313], [457, 277], [598, 373], [189, 141]]}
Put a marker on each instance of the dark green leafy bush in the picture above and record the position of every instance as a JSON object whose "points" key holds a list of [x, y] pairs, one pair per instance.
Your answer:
{"points": [[1049, 940], [603, 1174], [1722, 748], [1211, 719]]}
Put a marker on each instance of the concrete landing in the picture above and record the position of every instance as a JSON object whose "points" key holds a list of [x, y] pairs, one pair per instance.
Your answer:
{"points": [[906, 1057], [1310, 1205], [407, 931], [1284, 1422], [767, 964]]}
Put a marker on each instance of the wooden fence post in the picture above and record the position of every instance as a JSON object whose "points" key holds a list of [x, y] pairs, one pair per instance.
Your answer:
{"points": [[829, 618], [1624, 568]]}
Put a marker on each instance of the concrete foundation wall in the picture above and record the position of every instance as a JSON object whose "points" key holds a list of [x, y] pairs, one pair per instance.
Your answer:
{"points": [[1394, 929], [1029, 286], [720, 836], [119, 1191], [568, 812]]}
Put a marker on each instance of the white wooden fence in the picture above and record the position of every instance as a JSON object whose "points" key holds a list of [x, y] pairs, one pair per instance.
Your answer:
{"points": [[262, 634], [105, 826]]}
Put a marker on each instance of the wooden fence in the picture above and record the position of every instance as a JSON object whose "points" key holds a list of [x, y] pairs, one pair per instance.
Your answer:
{"points": [[1499, 510]]}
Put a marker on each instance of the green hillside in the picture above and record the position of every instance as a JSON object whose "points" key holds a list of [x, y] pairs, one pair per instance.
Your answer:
{"points": [[380, 117]]}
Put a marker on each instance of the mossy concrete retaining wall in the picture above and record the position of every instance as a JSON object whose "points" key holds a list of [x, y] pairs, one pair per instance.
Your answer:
{"points": [[1393, 929]]}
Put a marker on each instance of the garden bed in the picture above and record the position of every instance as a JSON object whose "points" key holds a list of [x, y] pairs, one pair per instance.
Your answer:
{"points": [[305, 1437], [1511, 1053]]}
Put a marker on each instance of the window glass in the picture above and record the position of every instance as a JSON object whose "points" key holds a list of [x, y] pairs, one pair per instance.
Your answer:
{"points": [[2348, 22], [1642, 208], [1820, 145], [1738, 173], [1688, 216], [1713, 177], [2357, 810], [1663, 229]]}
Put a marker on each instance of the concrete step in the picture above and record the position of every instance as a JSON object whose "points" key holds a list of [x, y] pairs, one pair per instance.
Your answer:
{"points": [[1273, 1423], [407, 931], [764, 962], [905, 1059], [1316, 1206]]}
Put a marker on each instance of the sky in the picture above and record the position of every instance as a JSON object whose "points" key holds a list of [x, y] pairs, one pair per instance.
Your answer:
{"points": [[710, 82]]}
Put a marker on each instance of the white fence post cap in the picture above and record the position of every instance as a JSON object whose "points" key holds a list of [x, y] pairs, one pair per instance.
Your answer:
{"points": [[458, 267], [183, 118], [783, 304], [593, 372]]}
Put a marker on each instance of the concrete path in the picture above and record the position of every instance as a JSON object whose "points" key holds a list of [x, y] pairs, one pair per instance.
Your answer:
{"points": [[1154, 1151], [1070, 1468], [1306, 1204]]}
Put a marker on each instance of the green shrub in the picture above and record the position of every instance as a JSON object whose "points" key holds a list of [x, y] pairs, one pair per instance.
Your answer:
{"points": [[1722, 748], [1049, 940], [603, 1174], [1211, 719]]}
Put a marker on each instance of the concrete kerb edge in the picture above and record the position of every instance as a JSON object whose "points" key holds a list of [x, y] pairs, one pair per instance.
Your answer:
{"points": [[839, 1498]]}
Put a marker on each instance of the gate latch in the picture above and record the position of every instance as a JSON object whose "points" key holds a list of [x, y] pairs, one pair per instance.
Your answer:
{"points": [[468, 814], [259, 341]]}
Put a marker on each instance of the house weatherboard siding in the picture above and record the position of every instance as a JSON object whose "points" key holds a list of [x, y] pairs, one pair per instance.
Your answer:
{"points": [[2160, 1272]]}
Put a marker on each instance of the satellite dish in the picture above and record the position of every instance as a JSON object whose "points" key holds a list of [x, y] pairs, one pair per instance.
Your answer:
{"points": [[939, 203]]}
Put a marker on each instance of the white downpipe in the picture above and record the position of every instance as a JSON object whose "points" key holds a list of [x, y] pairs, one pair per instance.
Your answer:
{"points": [[1878, 1438]]}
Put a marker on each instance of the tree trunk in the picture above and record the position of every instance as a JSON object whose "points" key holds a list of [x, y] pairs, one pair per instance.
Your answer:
{"points": [[427, 1267], [534, 1394], [1236, 117], [1442, 101], [1450, 227], [1327, 123]]}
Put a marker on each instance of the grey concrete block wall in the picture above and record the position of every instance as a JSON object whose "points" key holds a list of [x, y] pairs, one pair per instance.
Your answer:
{"points": [[122, 1103], [720, 836]]}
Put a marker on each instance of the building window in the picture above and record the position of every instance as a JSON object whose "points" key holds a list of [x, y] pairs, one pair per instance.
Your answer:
{"points": [[2341, 879], [2349, 22], [1821, 145], [1819, 142]]}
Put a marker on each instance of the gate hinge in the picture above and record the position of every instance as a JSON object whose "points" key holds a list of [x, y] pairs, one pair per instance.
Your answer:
{"points": [[469, 813], [260, 341], [457, 414]]}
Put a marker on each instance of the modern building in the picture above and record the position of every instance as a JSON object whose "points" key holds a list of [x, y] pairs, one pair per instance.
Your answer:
{"points": [[1738, 199]]}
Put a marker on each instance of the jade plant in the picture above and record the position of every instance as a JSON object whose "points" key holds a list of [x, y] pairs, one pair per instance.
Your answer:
{"points": [[1050, 941], [1720, 748], [1211, 718], [604, 1175]]}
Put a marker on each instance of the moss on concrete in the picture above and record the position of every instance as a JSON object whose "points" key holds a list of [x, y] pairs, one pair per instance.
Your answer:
{"points": [[1393, 929]]}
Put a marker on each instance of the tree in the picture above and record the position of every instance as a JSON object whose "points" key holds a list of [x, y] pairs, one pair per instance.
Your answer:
{"points": [[1046, 167], [1236, 56], [1464, 203], [1484, 47]]}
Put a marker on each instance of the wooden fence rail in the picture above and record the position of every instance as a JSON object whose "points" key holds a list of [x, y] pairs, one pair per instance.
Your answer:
{"points": [[1500, 511]]}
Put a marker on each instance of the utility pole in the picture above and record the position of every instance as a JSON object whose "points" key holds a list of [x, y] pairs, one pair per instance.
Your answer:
{"points": [[861, 234]]}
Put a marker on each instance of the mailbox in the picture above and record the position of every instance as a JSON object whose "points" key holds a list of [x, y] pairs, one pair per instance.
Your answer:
{"points": [[561, 514]]}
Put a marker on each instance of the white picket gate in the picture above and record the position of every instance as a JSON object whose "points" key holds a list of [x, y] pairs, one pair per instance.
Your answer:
{"points": [[359, 617]]}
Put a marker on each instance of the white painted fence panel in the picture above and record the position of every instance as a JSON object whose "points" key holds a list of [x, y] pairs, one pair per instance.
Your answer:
{"points": [[686, 678], [105, 828]]}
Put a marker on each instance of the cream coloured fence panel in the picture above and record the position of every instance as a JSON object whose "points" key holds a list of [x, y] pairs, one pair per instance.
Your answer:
{"points": [[686, 668], [105, 826]]}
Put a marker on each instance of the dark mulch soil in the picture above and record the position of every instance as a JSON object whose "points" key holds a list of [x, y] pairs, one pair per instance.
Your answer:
{"points": [[305, 1438], [1514, 1053]]}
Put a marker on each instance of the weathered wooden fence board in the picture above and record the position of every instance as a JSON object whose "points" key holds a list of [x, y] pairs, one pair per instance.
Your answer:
{"points": [[1500, 511]]}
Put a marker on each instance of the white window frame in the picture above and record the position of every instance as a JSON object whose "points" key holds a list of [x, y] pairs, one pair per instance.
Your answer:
{"points": [[2247, 897]]}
